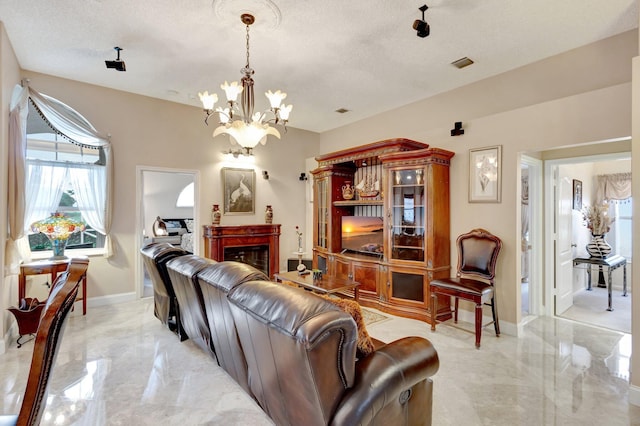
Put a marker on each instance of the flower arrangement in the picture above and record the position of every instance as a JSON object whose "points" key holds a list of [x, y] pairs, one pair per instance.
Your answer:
{"points": [[597, 218]]}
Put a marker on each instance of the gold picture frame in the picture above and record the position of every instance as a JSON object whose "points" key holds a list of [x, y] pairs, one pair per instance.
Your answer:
{"points": [[485, 174]]}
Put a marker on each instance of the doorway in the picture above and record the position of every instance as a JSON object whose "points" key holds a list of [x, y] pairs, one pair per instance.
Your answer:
{"points": [[170, 194], [566, 293]]}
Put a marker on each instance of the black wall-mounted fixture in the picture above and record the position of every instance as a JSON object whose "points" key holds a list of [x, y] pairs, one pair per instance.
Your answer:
{"points": [[420, 25], [265, 174], [118, 64], [457, 129], [303, 176]]}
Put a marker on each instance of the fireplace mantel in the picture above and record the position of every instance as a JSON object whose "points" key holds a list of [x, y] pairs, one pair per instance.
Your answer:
{"points": [[217, 238]]}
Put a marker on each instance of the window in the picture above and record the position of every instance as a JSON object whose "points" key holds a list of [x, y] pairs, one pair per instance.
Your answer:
{"points": [[56, 165], [186, 197], [622, 212]]}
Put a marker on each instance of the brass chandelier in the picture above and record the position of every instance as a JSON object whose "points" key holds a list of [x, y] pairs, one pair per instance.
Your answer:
{"points": [[240, 122]]}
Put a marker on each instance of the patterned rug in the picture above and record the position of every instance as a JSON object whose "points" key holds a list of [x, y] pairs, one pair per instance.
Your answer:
{"points": [[370, 317]]}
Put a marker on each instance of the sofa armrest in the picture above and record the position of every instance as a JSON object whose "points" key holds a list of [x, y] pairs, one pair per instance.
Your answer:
{"points": [[386, 378]]}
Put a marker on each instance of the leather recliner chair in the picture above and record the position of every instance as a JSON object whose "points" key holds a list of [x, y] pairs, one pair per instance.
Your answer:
{"points": [[165, 304]]}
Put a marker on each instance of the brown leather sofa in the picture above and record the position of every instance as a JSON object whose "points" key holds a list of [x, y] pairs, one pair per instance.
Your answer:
{"points": [[295, 352]]}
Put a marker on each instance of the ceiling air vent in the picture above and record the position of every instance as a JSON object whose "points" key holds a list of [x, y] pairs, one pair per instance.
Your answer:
{"points": [[462, 62]]}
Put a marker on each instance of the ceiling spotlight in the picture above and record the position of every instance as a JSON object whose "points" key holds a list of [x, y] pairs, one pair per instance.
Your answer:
{"points": [[420, 25], [118, 64]]}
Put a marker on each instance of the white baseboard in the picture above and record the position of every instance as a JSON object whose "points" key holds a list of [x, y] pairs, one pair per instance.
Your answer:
{"points": [[113, 299], [634, 395]]}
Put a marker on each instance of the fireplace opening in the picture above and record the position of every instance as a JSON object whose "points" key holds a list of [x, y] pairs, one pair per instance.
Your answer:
{"points": [[256, 256]]}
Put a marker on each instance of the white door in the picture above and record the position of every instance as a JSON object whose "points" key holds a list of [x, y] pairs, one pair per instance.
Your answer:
{"points": [[564, 249]]}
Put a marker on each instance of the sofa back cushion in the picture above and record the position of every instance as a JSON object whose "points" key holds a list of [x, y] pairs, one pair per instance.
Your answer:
{"points": [[183, 271], [300, 351], [215, 282]]}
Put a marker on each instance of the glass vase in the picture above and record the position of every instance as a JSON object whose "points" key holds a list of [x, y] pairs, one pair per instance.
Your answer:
{"points": [[57, 246]]}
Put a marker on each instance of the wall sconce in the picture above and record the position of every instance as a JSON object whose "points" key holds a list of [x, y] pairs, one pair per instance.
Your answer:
{"points": [[303, 176], [265, 174]]}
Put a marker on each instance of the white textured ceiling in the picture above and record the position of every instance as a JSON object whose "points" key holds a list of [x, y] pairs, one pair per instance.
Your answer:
{"points": [[326, 54]]}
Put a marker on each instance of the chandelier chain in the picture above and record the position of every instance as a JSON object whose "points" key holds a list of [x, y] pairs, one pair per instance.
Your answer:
{"points": [[247, 46]]}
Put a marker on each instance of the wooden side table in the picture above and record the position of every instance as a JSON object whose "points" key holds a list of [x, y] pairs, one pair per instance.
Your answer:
{"points": [[50, 267]]}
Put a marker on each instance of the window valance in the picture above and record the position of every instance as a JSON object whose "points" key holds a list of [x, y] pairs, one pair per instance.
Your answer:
{"points": [[613, 187]]}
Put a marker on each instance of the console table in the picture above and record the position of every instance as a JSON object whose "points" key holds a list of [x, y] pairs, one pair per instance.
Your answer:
{"points": [[611, 263], [49, 267]]}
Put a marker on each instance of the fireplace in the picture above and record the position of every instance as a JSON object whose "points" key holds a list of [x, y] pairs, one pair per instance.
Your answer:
{"points": [[256, 245], [256, 256]]}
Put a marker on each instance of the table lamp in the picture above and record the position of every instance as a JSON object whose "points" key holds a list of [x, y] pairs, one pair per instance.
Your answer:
{"points": [[58, 228]]}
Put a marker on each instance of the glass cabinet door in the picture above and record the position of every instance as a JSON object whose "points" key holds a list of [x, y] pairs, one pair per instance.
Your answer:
{"points": [[322, 206], [407, 214]]}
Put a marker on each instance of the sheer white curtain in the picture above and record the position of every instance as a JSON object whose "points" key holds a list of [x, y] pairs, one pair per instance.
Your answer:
{"points": [[43, 190], [16, 195], [89, 182]]}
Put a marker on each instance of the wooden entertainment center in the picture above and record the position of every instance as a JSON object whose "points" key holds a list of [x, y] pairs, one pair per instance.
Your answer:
{"points": [[405, 183]]}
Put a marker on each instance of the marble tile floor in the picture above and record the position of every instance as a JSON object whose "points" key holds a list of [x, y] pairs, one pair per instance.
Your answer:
{"points": [[119, 366]]}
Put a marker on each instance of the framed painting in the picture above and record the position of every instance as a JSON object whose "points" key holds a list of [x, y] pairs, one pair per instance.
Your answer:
{"points": [[577, 194], [239, 186], [485, 170]]}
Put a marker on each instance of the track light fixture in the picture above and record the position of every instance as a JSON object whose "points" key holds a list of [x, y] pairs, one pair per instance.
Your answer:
{"points": [[420, 25], [118, 64], [457, 129]]}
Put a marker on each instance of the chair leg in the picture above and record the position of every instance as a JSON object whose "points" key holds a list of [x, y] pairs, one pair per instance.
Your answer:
{"points": [[434, 304], [494, 311], [478, 323], [455, 313]]}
